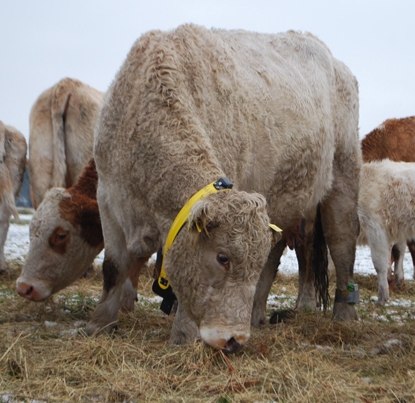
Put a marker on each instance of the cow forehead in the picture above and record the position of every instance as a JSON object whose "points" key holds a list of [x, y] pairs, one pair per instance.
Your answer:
{"points": [[47, 216]]}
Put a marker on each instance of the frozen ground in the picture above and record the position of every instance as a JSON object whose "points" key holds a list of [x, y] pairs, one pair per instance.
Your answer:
{"points": [[17, 247]]}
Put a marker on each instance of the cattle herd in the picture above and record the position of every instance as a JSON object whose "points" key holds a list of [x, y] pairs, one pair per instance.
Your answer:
{"points": [[275, 117]]}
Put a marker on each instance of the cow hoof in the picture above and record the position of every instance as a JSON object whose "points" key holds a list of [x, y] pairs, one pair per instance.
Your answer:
{"points": [[258, 320], [282, 316], [92, 329], [344, 312]]}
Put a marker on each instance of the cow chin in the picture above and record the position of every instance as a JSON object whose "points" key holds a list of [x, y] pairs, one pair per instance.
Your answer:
{"points": [[33, 290], [227, 339]]}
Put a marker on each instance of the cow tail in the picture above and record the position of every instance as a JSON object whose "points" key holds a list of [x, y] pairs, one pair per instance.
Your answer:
{"points": [[60, 106], [6, 186], [319, 261]]}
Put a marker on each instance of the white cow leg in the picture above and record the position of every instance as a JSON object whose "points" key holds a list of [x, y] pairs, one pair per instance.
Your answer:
{"points": [[381, 257], [398, 269], [341, 228], [264, 284], [184, 329], [4, 228], [115, 271]]}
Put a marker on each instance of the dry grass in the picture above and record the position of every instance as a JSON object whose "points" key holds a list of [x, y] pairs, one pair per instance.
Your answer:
{"points": [[308, 358]]}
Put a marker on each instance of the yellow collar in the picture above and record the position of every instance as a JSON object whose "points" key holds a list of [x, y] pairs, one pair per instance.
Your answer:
{"points": [[181, 218]]}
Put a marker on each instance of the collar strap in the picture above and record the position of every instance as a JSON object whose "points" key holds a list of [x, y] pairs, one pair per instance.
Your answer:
{"points": [[181, 218]]}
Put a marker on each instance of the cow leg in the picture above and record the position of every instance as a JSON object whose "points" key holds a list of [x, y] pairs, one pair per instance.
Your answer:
{"points": [[115, 270], [381, 257], [184, 329], [129, 288], [4, 228], [264, 284], [398, 268], [411, 247], [341, 228], [306, 290]]}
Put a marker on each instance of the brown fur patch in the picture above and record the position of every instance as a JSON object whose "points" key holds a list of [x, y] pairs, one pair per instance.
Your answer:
{"points": [[394, 139], [82, 208], [59, 240]]}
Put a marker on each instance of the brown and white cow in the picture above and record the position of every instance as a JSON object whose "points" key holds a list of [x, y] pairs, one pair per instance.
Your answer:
{"points": [[13, 149], [65, 238], [275, 114], [62, 123], [387, 216]]}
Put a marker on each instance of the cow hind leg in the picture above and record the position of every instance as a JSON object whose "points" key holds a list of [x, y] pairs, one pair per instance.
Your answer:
{"points": [[341, 228], [398, 267], [4, 228], [411, 247], [381, 257]]}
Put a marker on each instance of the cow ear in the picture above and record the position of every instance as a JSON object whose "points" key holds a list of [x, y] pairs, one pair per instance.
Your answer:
{"points": [[198, 218], [276, 233]]}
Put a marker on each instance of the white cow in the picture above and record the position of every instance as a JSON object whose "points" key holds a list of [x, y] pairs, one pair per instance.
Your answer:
{"points": [[13, 149], [275, 114], [387, 216], [62, 124]]}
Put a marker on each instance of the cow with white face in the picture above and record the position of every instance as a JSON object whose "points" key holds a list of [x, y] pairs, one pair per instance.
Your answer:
{"points": [[275, 114], [65, 238]]}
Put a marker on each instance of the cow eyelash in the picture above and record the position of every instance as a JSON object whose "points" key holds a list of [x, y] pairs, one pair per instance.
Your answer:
{"points": [[223, 260]]}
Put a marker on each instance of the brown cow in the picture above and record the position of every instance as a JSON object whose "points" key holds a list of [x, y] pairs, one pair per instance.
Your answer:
{"points": [[278, 116], [13, 149], [62, 123]]}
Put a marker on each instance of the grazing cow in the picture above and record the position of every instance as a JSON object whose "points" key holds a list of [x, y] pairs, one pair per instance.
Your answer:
{"points": [[13, 149], [65, 238], [387, 215], [275, 114], [393, 139], [62, 123]]}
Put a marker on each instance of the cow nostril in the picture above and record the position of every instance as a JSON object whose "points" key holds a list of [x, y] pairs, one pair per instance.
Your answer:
{"points": [[29, 290], [231, 346]]}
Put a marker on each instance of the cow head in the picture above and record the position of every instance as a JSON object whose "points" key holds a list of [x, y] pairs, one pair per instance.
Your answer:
{"points": [[214, 266], [65, 237]]}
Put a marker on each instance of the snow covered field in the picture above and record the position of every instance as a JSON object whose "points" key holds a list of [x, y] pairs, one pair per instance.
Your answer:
{"points": [[17, 247]]}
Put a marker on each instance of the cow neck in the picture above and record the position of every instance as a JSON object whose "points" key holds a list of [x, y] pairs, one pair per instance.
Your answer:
{"points": [[181, 218]]}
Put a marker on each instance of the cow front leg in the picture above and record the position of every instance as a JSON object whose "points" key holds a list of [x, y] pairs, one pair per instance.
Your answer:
{"points": [[264, 284], [105, 316], [129, 288], [306, 290], [184, 329]]}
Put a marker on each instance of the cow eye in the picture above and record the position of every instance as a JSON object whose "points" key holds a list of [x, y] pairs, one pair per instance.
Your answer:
{"points": [[62, 235], [223, 260]]}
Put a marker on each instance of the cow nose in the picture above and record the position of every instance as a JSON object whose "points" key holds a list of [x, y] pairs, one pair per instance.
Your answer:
{"points": [[231, 346], [25, 290]]}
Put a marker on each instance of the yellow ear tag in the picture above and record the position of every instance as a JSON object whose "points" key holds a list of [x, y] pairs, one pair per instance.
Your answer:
{"points": [[275, 228]]}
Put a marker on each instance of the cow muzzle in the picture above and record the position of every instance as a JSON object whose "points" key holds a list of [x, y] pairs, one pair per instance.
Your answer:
{"points": [[227, 340], [31, 290]]}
